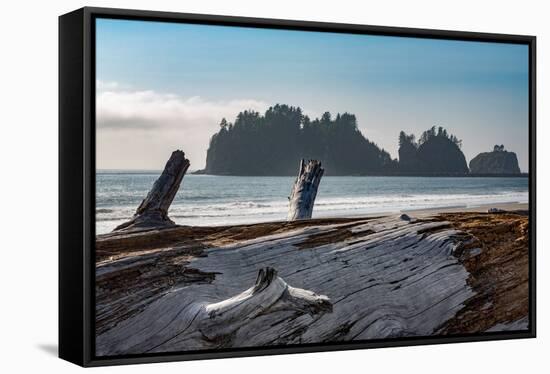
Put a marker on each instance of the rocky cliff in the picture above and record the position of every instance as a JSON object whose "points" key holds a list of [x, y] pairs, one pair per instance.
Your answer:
{"points": [[435, 153], [499, 161]]}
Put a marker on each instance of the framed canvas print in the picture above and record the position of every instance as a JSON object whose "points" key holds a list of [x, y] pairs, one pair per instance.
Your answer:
{"points": [[236, 186]]}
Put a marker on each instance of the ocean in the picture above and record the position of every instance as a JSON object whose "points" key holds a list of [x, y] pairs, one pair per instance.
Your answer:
{"points": [[207, 200]]}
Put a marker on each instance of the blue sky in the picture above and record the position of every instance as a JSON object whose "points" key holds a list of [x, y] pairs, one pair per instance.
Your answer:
{"points": [[162, 85]]}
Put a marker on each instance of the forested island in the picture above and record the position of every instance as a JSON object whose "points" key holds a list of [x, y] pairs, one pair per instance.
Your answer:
{"points": [[270, 144], [436, 152]]}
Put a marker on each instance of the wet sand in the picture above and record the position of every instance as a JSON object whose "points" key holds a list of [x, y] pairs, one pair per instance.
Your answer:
{"points": [[508, 207]]}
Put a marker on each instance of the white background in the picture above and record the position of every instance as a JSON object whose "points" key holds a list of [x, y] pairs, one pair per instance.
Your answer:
{"points": [[28, 196]]}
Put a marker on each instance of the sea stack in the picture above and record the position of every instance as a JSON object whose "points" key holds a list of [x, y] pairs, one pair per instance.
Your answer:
{"points": [[499, 161]]}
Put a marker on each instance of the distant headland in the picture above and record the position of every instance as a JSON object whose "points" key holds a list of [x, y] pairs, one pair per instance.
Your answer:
{"points": [[270, 144]]}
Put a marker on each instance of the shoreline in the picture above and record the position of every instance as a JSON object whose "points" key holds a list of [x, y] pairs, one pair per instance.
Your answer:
{"points": [[483, 208], [226, 200], [506, 207]]}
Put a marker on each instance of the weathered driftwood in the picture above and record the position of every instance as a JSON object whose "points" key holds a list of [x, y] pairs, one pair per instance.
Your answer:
{"points": [[304, 190], [185, 288], [153, 210]]}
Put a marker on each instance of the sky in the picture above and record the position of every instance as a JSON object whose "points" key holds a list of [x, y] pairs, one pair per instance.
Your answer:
{"points": [[166, 86]]}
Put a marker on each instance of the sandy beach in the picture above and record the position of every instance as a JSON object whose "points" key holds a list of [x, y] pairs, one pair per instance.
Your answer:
{"points": [[508, 207]]}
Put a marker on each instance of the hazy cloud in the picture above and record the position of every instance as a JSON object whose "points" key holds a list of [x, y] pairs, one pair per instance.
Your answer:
{"points": [[141, 128], [151, 109]]}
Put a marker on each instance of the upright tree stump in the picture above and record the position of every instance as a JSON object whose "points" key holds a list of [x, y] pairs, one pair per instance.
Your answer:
{"points": [[304, 191], [153, 210]]}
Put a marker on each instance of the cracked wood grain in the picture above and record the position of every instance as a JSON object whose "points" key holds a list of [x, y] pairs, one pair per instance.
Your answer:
{"points": [[305, 282]]}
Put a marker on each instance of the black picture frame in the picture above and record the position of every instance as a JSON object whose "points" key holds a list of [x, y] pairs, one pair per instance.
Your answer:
{"points": [[77, 182]]}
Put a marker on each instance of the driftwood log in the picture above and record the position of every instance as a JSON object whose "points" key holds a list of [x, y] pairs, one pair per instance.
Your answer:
{"points": [[304, 190], [153, 210], [320, 280]]}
